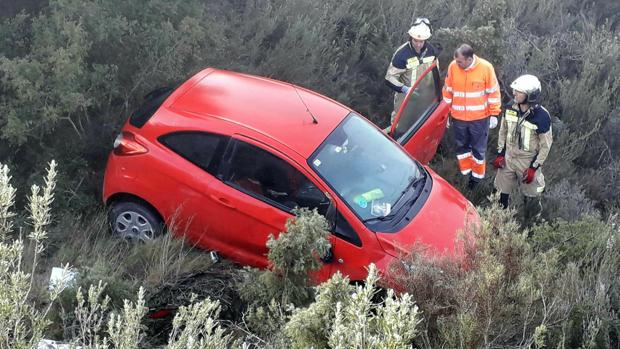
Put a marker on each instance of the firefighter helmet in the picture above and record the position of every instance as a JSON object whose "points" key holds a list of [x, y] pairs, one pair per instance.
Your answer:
{"points": [[421, 29], [528, 84]]}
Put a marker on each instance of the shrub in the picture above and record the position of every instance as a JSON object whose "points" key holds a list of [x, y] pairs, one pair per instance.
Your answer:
{"points": [[513, 290], [345, 316], [22, 321], [272, 294]]}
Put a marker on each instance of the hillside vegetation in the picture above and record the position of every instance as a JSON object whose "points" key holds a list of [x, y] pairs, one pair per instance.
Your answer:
{"points": [[71, 71]]}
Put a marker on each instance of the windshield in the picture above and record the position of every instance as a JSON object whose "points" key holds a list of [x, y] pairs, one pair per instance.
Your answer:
{"points": [[367, 170]]}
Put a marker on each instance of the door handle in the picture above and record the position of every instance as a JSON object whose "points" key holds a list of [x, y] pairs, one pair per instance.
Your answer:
{"points": [[222, 201]]}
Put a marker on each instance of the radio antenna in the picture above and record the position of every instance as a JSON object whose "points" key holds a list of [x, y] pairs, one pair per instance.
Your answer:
{"points": [[314, 120]]}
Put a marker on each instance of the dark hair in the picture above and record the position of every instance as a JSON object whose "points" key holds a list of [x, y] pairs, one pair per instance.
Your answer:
{"points": [[465, 51]]}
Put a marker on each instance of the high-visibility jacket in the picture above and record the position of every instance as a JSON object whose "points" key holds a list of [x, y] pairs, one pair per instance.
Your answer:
{"points": [[525, 135], [472, 93], [407, 64]]}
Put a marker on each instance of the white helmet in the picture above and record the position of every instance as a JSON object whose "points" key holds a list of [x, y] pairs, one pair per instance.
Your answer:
{"points": [[528, 84], [421, 29]]}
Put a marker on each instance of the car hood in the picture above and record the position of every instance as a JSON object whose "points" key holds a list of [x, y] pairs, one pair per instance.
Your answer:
{"points": [[437, 225]]}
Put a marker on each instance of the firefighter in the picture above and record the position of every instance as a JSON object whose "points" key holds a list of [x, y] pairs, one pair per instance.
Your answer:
{"points": [[409, 61], [472, 91], [524, 142]]}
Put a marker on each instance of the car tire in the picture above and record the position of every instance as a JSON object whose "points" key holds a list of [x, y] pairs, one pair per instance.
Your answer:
{"points": [[134, 221]]}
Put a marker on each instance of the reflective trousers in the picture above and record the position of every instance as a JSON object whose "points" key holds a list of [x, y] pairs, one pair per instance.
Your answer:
{"points": [[471, 145]]}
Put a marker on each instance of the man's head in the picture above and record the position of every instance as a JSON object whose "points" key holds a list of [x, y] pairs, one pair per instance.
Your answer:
{"points": [[419, 32], [464, 56], [526, 89]]}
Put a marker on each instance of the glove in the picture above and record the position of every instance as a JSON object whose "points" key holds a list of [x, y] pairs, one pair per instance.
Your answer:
{"points": [[493, 122], [404, 89], [528, 175], [500, 161]]}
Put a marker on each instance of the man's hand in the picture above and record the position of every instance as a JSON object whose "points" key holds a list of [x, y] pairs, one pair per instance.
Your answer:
{"points": [[404, 89], [492, 121], [528, 175], [500, 161]]}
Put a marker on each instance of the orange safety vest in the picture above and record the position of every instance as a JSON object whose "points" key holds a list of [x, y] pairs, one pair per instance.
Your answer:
{"points": [[472, 93]]}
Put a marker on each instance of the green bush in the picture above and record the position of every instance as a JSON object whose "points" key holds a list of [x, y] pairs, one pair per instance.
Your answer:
{"points": [[272, 294], [553, 286], [72, 71], [345, 316]]}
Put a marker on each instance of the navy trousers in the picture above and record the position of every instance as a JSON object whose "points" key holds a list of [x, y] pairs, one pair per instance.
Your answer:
{"points": [[471, 144]]}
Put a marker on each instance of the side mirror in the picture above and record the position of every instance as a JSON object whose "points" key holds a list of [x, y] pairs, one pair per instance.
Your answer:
{"points": [[310, 196], [329, 256]]}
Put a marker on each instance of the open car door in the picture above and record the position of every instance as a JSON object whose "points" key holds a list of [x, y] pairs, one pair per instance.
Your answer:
{"points": [[421, 120]]}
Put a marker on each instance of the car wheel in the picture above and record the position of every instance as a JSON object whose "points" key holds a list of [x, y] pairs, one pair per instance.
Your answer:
{"points": [[134, 221]]}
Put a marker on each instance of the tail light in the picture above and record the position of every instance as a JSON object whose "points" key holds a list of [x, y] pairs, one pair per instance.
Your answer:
{"points": [[126, 144]]}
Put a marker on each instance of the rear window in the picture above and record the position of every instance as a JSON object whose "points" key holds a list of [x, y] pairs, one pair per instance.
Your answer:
{"points": [[200, 148], [152, 101]]}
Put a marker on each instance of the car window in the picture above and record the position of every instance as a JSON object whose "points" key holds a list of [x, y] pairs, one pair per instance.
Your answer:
{"points": [[345, 231], [424, 98], [365, 168], [152, 101], [271, 179], [200, 148]]}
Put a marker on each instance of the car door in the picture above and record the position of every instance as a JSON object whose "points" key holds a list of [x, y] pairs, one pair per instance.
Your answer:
{"points": [[349, 255], [187, 168], [256, 193], [421, 121]]}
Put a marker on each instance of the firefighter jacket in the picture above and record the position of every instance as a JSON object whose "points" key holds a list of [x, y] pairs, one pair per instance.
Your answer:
{"points": [[472, 93], [526, 135], [406, 65]]}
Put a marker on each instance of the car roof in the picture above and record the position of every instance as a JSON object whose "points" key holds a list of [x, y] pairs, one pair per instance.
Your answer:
{"points": [[281, 111]]}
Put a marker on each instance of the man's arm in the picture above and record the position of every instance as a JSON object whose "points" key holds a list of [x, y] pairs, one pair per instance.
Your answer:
{"points": [[503, 132], [392, 77], [545, 140], [447, 86], [494, 97]]}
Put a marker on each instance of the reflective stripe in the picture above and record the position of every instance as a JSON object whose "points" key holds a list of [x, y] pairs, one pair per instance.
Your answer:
{"points": [[448, 100], [448, 88], [469, 94], [511, 118], [526, 139], [412, 62], [479, 162], [528, 129], [540, 189], [476, 107], [470, 107], [428, 59], [494, 100], [474, 174], [492, 89], [465, 163], [463, 156], [466, 172]]}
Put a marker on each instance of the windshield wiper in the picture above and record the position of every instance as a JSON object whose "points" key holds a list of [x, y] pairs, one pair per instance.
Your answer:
{"points": [[412, 184], [381, 218]]}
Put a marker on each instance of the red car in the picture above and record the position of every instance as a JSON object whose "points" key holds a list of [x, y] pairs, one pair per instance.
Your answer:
{"points": [[228, 156]]}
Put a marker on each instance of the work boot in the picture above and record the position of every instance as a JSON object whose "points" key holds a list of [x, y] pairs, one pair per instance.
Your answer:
{"points": [[472, 184], [503, 200]]}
